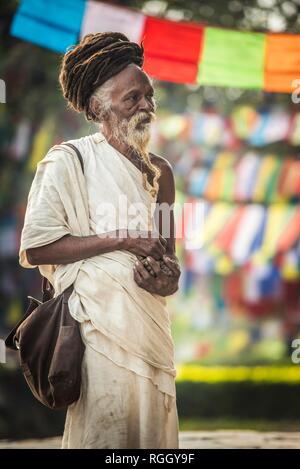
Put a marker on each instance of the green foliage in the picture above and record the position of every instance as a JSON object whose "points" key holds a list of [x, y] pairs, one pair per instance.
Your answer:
{"points": [[238, 400], [259, 425], [260, 15]]}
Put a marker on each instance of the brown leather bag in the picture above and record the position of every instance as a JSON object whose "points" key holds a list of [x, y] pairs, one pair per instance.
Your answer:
{"points": [[50, 350], [50, 346]]}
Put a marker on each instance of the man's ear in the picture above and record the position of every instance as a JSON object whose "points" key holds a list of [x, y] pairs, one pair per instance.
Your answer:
{"points": [[94, 106], [97, 111]]}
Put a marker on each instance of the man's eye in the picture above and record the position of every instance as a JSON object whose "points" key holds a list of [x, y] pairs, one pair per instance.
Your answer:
{"points": [[132, 98]]}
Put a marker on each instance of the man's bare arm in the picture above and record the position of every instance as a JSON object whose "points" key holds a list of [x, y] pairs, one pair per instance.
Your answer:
{"points": [[73, 248], [159, 282]]}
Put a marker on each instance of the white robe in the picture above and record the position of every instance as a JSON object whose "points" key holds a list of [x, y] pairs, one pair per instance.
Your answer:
{"points": [[128, 395]]}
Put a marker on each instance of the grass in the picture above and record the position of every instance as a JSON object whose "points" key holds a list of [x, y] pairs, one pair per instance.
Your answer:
{"points": [[227, 424]]}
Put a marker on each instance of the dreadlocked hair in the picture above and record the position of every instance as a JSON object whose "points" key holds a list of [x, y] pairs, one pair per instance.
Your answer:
{"points": [[91, 63], [157, 173]]}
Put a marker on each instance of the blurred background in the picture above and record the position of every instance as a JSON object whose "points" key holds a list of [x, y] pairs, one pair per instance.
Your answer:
{"points": [[233, 149]]}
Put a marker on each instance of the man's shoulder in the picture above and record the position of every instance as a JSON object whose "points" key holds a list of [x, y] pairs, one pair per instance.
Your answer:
{"points": [[61, 157], [166, 180], [62, 151], [160, 161], [81, 142]]}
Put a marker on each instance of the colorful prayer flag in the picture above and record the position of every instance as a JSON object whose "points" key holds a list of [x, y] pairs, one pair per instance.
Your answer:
{"points": [[232, 58], [101, 17], [172, 49], [52, 24], [282, 62]]}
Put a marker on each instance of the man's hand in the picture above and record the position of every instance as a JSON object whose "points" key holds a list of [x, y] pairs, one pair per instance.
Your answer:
{"points": [[147, 265], [159, 282]]}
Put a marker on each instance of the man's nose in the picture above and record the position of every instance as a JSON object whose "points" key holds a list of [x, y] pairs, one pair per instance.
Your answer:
{"points": [[146, 105]]}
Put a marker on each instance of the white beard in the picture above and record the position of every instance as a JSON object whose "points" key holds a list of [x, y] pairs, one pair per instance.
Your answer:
{"points": [[127, 132]]}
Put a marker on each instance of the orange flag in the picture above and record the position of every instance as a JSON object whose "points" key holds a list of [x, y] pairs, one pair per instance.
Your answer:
{"points": [[282, 62]]}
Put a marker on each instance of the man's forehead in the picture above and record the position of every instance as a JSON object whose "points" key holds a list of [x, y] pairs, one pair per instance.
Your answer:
{"points": [[131, 77]]}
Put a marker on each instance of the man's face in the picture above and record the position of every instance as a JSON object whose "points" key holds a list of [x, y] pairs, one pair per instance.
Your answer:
{"points": [[132, 108]]}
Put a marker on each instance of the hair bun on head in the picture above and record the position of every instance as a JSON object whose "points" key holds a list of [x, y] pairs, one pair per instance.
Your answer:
{"points": [[92, 62]]}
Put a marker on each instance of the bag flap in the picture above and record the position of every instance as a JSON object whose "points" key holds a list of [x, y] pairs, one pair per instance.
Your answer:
{"points": [[9, 341]]}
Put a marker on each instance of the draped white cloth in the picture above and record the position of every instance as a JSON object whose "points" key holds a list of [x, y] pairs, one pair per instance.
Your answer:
{"points": [[126, 329]]}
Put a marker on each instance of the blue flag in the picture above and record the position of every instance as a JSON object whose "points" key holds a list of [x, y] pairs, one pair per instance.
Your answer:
{"points": [[54, 24]]}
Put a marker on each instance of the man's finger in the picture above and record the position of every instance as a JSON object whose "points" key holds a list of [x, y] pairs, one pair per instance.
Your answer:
{"points": [[148, 266], [137, 277], [155, 266], [142, 270], [162, 250], [172, 264], [158, 251], [163, 240]]}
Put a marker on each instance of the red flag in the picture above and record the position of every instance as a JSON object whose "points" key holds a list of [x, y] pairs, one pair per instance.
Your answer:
{"points": [[172, 49]]}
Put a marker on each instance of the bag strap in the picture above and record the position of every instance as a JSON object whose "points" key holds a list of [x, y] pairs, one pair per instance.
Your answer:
{"points": [[47, 288], [77, 153]]}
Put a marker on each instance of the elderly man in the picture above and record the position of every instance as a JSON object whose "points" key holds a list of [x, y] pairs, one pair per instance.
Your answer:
{"points": [[77, 231]]}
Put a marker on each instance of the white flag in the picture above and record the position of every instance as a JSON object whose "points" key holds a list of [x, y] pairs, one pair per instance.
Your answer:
{"points": [[101, 17]]}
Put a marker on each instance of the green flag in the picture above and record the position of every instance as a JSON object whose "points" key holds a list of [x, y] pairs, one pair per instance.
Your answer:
{"points": [[232, 58]]}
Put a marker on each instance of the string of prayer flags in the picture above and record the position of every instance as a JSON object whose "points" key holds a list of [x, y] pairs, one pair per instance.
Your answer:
{"points": [[278, 218], [243, 241], [176, 51]]}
